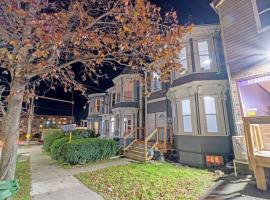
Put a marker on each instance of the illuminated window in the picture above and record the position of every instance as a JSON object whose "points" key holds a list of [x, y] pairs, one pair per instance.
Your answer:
{"points": [[186, 116], [155, 83], [211, 114], [128, 90], [214, 161], [40, 126], [204, 56], [97, 105]]}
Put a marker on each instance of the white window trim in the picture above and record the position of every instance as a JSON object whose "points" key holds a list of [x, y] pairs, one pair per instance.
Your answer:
{"points": [[209, 55], [257, 18], [216, 114], [152, 84]]}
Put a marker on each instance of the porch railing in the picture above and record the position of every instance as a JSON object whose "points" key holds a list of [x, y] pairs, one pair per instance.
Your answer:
{"points": [[153, 136], [257, 134], [134, 135]]}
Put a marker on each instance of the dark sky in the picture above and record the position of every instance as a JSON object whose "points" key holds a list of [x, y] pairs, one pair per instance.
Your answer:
{"points": [[198, 11]]}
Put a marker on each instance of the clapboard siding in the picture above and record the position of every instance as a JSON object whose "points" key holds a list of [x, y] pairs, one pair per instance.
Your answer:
{"points": [[242, 41]]}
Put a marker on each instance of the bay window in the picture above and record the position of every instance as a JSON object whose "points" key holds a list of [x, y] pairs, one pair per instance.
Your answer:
{"points": [[204, 56], [210, 114], [97, 105], [186, 116]]}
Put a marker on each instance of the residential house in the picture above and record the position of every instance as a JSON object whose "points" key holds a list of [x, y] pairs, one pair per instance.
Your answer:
{"points": [[118, 111], [96, 109], [199, 99]]}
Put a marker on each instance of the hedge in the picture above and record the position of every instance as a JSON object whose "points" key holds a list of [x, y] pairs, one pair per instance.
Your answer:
{"points": [[88, 150], [57, 148], [85, 133], [50, 137]]}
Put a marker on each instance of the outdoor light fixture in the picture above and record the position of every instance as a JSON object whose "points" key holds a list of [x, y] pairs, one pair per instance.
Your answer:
{"points": [[207, 62]]}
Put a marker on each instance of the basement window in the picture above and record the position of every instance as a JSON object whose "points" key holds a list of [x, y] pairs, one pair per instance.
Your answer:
{"points": [[214, 161]]}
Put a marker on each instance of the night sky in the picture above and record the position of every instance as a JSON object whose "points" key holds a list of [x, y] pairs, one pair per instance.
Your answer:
{"points": [[196, 11]]}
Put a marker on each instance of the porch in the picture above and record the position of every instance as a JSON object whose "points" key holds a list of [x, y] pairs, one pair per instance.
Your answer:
{"points": [[257, 135], [141, 146]]}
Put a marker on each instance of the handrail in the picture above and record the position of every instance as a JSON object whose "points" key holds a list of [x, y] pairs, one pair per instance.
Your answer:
{"points": [[155, 132], [127, 136]]}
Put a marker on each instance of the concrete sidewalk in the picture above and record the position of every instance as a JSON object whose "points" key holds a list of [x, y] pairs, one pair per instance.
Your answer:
{"points": [[238, 188], [51, 182]]}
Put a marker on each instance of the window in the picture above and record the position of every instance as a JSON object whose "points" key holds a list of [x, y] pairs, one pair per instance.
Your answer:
{"points": [[128, 90], [210, 114], [204, 56], [183, 58], [118, 92], [186, 116], [263, 13], [112, 125], [155, 84], [127, 123], [215, 161], [97, 105]]}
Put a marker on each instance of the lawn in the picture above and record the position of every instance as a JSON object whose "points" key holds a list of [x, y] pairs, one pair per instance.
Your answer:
{"points": [[23, 175], [145, 181]]}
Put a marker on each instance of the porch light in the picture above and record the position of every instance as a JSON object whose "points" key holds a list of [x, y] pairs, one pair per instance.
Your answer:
{"points": [[207, 62]]}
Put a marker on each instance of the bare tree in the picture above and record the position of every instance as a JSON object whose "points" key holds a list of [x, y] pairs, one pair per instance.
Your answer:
{"points": [[43, 40]]}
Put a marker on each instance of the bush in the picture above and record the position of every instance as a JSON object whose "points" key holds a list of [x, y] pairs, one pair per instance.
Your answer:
{"points": [[84, 133], [88, 150], [57, 148], [50, 137]]}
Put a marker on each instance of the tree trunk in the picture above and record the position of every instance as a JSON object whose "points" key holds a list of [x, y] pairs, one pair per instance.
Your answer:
{"points": [[10, 130]]}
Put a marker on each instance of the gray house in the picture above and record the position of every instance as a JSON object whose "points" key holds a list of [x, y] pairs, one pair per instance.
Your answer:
{"points": [[199, 99]]}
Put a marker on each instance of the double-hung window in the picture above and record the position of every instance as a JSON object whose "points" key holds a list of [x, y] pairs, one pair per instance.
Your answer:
{"points": [[204, 56], [183, 58], [262, 13], [128, 90], [186, 116], [210, 114], [155, 83]]}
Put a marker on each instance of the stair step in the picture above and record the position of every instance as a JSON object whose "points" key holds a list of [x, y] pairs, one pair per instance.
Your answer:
{"points": [[135, 156], [132, 151]]}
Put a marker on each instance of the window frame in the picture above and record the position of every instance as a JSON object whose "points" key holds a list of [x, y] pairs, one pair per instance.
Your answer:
{"points": [[155, 82], [201, 68], [257, 17], [187, 115], [211, 114]]}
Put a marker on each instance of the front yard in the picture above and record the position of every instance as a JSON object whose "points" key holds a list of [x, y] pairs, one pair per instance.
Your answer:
{"points": [[148, 181]]}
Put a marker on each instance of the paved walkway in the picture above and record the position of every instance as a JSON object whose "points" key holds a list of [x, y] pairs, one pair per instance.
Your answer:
{"points": [[51, 182], [238, 188]]}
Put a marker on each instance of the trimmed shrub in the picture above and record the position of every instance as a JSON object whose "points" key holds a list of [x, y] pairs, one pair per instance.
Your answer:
{"points": [[88, 150], [50, 137], [85, 133], [57, 148]]}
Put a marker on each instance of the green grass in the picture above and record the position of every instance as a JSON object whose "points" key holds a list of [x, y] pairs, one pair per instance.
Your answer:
{"points": [[142, 181], [23, 175]]}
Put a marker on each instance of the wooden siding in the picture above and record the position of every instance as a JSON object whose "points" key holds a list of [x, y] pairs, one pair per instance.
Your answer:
{"points": [[243, 43]]}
